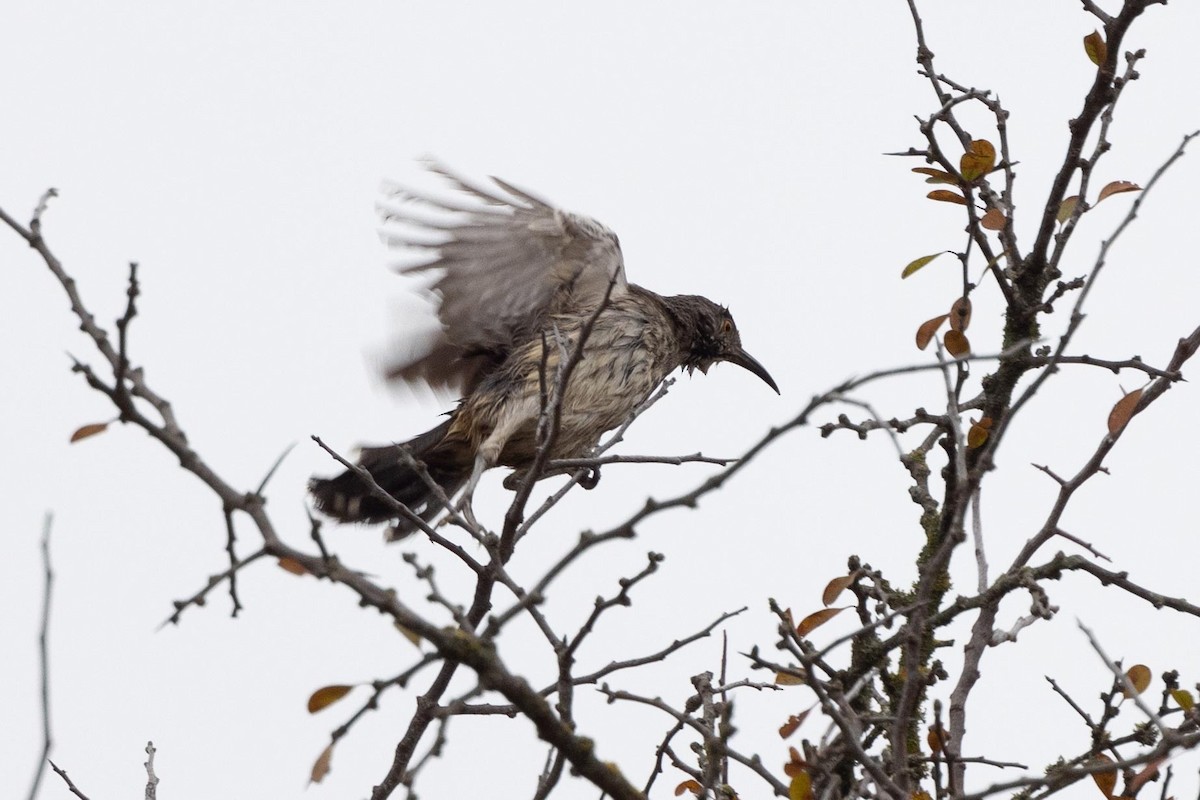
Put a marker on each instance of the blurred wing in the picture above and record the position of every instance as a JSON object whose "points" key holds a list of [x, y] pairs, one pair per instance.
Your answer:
{"points": [[507, 259]]}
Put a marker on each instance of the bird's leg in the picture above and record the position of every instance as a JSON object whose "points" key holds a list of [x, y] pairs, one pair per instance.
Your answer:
{"points": [[465, 500]]}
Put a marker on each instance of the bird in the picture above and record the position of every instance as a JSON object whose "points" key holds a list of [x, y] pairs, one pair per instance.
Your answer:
{"points": [[519, 284]]}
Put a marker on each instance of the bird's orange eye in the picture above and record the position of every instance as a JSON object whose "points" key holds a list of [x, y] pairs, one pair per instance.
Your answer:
{"points": [[727, 326]]}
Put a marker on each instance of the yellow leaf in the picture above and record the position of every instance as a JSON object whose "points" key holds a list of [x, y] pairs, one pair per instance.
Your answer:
{"points": [[956, 343], [1066, 209], [788, 679], [936, 175], [1107, 780], [89, 430], [917, 263], [293, 566], [993, 219], [978, 160], [1096, 49], [836, 587], [327, 696], [800, 787], [816, 620], [689, 786], [1121, 413], [960, 314], [1139, 677], [321, 768], [1117, 187], [928, 329], [947, 196], [1183, 698], [920, 794]]}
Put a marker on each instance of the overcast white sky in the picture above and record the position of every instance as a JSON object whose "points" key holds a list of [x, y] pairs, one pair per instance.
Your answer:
{"points": [[235, 150]]}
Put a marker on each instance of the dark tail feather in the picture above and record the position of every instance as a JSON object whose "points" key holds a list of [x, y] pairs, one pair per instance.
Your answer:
{"points": [[348, 499]]}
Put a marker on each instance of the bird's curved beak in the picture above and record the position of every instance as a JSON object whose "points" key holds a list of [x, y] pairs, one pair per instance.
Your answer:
{"points": [[749, 362]]}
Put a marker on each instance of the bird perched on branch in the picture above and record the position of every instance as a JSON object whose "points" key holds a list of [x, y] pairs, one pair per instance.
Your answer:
{"points": [[521, 285]]}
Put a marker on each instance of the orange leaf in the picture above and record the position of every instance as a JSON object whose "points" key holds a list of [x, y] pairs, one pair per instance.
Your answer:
{"points": [[978, 160], [1148, 773], [689, 786], [293, 566], [977, 435], [960, 314], [327, 696], [1066, 209], [928, 329], [321, 768], [956, 343], [1117, 187], [1139, 677], [936, 738], [836, 587], [816, 620], [993, 219], [89, 430], [936, 175], [920, 794], [1121, 413], [947, 196], [1096, 49], [1107, 780], [917, 263]]}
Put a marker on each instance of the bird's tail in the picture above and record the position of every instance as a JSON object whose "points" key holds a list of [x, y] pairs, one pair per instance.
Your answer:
{"points": [[448, 460]]}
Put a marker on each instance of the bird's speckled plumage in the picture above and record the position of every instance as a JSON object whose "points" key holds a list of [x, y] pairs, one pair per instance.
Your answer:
{"points": [[519, 282]]}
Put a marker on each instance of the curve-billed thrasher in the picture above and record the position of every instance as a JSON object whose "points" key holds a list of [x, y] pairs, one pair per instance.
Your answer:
{"points": [[521, 281]]}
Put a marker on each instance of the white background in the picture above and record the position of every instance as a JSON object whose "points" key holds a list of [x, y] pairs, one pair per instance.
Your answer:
{"points": [[235, 150]]}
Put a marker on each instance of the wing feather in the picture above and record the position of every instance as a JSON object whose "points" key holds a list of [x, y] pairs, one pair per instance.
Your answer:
{"points": [[506, 259]]}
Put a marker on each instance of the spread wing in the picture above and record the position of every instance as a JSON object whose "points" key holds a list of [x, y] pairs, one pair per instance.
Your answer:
{"points": [[506, 259]]}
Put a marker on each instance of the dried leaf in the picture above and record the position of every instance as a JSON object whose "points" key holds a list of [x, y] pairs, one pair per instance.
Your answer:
{"points": [[689, 785], [800, 788], [960, 314], [956, 343], [1184, 699], [788, 679], [917, 263], [816, 620], [920, 794], [977, 435], [327, 696], [978, 160], [1121, 413], [1095, 47], [1117, 187], [793, 722], [88, 430], [293, 566], [1107, 780], [836, 587], [936, 175], [1066, 209], [321, 768], [993, 219], [1139, 677], [1148, 773], [409, 634], [927, 330], [947, 196], [936, 738]]}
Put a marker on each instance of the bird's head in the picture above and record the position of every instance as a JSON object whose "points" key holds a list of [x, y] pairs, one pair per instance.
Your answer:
{"points": [[708, 334]]}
